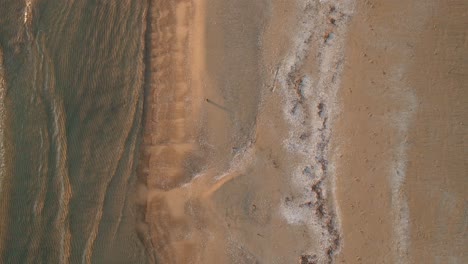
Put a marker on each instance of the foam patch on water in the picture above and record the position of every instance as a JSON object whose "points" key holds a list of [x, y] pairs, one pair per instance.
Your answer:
{"points": [[27, 14]]}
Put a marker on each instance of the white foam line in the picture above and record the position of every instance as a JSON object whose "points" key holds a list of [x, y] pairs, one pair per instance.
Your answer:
{"points": [[322, 89], [4, 199], [2, 123], [400, 208]]}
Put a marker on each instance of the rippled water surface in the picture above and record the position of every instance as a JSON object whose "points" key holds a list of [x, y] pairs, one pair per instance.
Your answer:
{"points": [[71, 105]]}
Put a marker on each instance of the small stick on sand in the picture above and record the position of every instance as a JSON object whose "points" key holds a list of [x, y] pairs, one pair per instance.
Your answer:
{"points": [[216, 104]]}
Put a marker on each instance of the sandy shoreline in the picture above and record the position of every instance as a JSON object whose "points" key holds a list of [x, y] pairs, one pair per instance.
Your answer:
{"points": [[290, 132], [237, 143]]}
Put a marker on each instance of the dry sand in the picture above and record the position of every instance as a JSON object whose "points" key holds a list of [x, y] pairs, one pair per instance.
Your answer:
{"points": [[401, 139], [300, 131]]}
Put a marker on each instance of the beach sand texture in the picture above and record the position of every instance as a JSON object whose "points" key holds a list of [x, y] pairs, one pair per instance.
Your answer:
{"points": [[301, 131]]}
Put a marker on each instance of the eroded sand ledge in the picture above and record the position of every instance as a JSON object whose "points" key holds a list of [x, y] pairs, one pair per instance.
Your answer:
{"points": [[250, 151]]}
